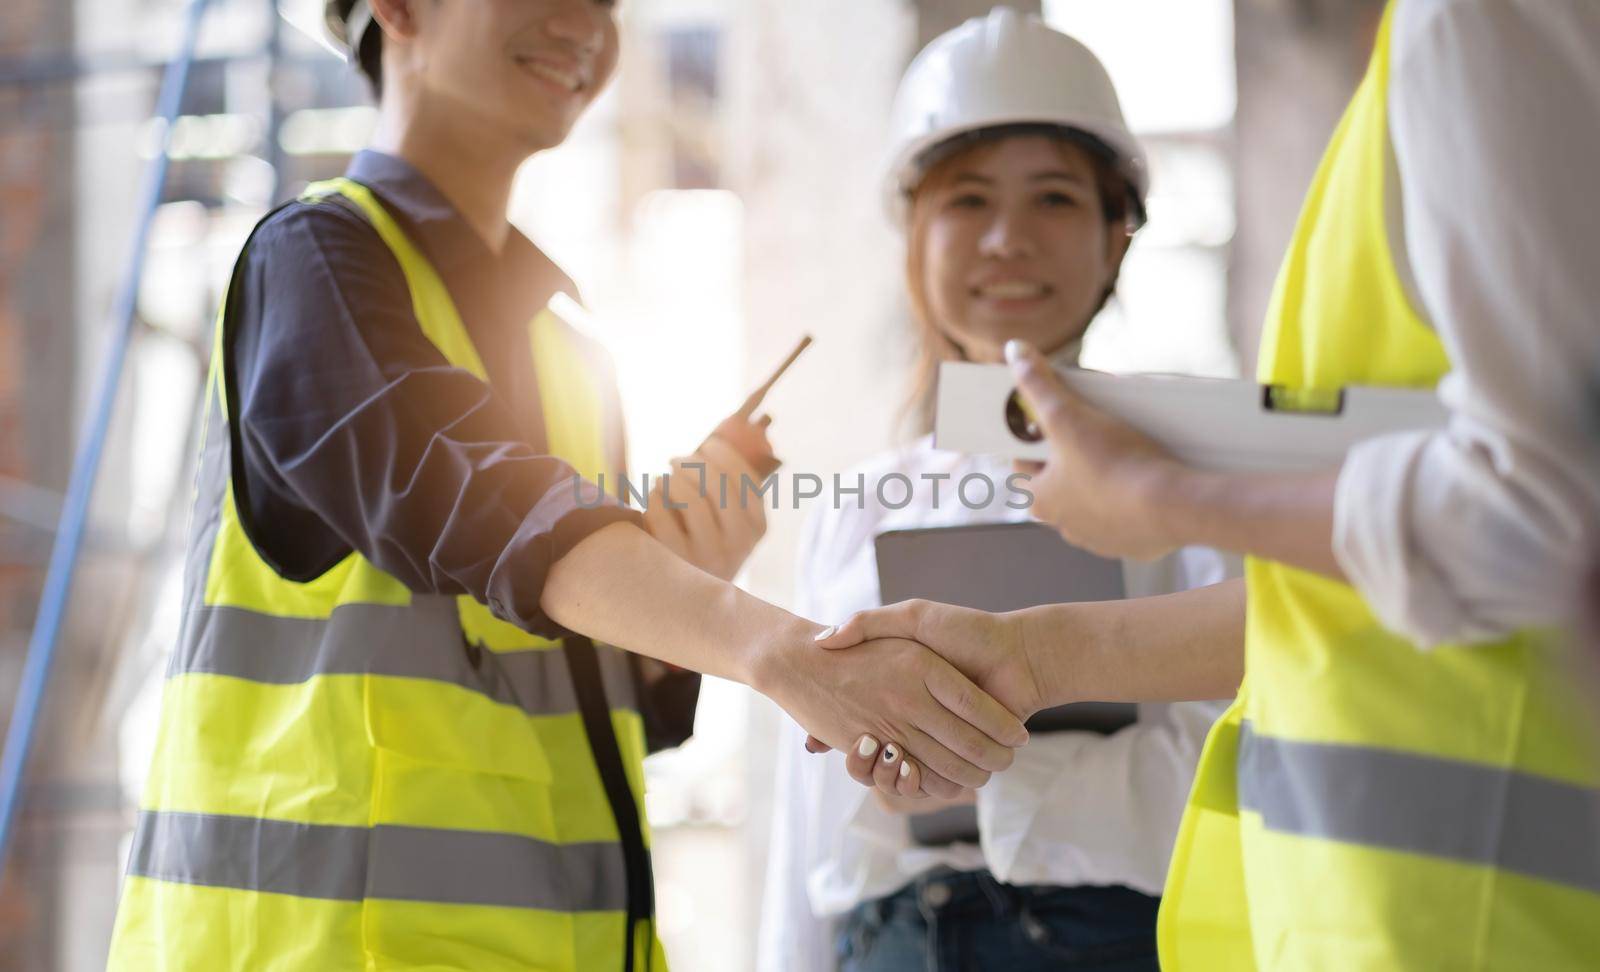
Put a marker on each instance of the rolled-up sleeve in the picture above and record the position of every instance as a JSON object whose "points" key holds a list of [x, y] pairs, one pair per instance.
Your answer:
{"points": [[1476, 531], [350, 420]]}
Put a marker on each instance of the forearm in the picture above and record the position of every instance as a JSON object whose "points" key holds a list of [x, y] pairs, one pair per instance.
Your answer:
{"points": [[1286, 517], [622, 587], [1176, 647]]}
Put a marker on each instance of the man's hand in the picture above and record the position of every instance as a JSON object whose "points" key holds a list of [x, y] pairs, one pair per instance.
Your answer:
{"points": [[1101, 485], [1109, 488], [890, 688], [700, 512], [987, 648]]}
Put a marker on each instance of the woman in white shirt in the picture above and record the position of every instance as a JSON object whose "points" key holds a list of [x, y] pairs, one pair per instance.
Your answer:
{"points": [[1018, 186]]}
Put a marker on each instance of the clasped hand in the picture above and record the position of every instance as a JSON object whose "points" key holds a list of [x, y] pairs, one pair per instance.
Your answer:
{"points": [[892, 688], [1100, 489], [988, 650]]}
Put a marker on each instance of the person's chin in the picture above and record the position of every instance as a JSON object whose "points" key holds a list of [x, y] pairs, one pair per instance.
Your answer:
{"points": [[1040, 327], [543, 133]]}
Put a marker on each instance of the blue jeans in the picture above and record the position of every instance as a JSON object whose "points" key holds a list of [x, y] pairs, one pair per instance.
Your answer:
{"points": [[955, 921]]}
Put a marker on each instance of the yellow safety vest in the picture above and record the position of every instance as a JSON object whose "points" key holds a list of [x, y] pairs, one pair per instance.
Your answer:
{"points": [[351, 776], [1365, 805]]}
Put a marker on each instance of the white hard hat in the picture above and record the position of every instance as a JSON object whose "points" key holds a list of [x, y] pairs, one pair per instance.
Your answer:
{"points": [[347, 22], [1002, 70]]}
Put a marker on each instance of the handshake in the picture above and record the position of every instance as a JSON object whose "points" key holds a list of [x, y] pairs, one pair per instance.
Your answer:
{"points": [[924, 699], [929, 699]]}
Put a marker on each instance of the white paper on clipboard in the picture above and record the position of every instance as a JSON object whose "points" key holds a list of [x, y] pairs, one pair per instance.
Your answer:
{"points": [[1211, 423]]}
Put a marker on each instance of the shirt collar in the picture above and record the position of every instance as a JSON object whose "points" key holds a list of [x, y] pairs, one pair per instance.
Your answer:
{"points": [[444, 235]]}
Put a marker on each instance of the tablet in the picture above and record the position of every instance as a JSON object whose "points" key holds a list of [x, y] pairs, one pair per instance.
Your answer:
{"points": [[1000, 567]]}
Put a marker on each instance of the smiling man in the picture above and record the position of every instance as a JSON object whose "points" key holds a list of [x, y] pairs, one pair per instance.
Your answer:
{"points": [[387, 739]]}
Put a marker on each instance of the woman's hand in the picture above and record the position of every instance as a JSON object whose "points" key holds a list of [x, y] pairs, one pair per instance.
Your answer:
{"points": [[988, 648], [698, 519], [1102, 483], [922, 804], [892, 688]]}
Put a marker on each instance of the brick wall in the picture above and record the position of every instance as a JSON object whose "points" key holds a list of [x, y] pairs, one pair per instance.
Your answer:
{"points": [[37, 324]]}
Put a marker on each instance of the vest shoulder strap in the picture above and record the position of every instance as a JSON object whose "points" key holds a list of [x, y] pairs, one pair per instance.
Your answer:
{"points": [[430, 300]]}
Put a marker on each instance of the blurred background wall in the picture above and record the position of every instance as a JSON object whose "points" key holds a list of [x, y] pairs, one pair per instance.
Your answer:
{"points": [[719, 202]]}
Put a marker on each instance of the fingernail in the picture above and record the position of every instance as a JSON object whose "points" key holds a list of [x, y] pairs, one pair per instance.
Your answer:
{"points": [[866, 747], [905, 770], [826, 633], [890, 754], [1015, 354]]}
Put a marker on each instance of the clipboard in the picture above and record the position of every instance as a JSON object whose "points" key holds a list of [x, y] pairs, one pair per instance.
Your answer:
{"points": [[1212, 423]]}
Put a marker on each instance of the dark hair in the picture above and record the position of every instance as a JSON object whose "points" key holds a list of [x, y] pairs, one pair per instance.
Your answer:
{"points": [[1118, 201], [1117, 195], [369, 57]]}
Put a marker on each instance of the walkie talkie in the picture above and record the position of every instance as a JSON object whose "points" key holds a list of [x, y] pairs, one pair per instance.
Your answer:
{"points": [[749, 438]]}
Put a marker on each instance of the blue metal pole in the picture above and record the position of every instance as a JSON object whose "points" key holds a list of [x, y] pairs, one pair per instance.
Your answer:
{"points": [[75, 510]]}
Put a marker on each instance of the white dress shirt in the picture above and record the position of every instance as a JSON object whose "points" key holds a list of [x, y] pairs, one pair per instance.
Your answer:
{"points": [[1075, 807], [1473, 532]]}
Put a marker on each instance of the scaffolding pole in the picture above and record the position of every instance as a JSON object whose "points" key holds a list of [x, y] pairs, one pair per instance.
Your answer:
{"points": [[80, 489]]}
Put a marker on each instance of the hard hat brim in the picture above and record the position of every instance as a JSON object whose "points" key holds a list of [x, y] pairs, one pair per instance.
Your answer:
{"points": [[1118, 147]]}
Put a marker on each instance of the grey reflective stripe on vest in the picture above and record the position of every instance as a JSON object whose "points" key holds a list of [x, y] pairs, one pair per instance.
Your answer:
{"points": [[404, 642], [1446, 808], [396, 863], [421, 640]]}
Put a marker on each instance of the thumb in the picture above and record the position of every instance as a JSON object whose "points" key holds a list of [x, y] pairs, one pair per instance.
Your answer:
{"points": [[888, 622], [1042, 388]]}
